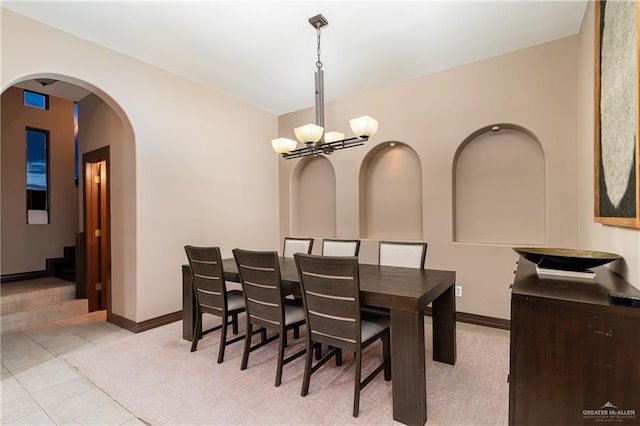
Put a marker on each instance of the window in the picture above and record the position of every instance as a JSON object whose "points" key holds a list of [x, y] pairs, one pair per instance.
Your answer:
{"points": [[37, 169], [36, 100]]}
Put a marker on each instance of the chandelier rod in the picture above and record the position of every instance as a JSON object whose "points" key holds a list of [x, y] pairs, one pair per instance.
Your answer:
{"points": [[318, 22]]}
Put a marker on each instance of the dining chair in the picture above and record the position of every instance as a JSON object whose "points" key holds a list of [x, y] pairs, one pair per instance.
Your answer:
{"points": [[398, 253], [294, 245], [212, 296], [336, 247], [405, 254], [262, 288], [331, 295]]}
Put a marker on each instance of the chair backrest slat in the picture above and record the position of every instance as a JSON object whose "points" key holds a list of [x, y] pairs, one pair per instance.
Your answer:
{"points": [[335, 247], [260, 279], [405, 254], [331, 296], [208, 276], [294, 245]]}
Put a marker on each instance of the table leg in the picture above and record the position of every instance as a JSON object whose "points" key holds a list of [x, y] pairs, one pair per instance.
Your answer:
{"points": [[444, 327], [188, 304], [408, 374]]}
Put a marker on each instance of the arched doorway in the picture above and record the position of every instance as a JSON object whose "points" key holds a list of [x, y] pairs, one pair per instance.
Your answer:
{"points": [[102, 125]]}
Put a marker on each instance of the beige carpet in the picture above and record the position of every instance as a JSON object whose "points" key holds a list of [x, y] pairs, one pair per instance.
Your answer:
{"points": [[154, 375]]}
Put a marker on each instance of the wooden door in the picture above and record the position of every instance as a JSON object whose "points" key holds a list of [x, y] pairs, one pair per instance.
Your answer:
{"points": [[97, 229]]}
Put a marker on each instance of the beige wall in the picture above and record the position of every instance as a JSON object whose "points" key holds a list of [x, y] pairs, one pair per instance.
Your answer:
{"points": [[25, 248], [195, 183], [202, 175], [624, 241], [533, 88], [99, 126]]}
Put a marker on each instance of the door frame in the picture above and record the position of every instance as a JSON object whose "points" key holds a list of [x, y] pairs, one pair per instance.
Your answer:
{"points": [[98, 155]]}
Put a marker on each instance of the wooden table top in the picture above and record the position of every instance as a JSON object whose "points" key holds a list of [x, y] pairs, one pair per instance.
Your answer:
{"points": [[406, 289]]}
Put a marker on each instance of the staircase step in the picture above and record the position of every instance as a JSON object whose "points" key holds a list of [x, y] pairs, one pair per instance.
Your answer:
{"points": [[68, 274], [37, 315], [24, 295]]}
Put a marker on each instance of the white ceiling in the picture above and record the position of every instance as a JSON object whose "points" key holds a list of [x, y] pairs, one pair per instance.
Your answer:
{"points": [[264, 52], [60, 89]]}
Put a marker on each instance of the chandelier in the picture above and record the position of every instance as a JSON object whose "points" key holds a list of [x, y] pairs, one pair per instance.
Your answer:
{"points": [[313, 136]]}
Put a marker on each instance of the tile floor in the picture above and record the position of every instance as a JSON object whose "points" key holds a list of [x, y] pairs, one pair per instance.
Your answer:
{"points": [[39, 388]]}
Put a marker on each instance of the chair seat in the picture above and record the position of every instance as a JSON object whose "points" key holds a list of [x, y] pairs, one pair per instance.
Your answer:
{"points": [[235, 300], [370, 329], [374, 311], [293, 314]]}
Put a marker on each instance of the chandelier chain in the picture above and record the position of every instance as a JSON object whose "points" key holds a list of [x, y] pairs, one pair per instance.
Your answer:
{"points": [[318, 62]]}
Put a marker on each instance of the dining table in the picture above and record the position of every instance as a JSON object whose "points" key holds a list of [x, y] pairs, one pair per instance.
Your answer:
{"points": [[405, 293]]}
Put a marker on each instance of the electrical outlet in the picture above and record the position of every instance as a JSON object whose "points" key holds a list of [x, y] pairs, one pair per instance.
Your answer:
{"points": [[458, 291]]}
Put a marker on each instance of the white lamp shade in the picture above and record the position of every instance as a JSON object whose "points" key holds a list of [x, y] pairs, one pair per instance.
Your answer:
{"points": [[333, 136], [364, 126], [308, 133], [282, 145]]}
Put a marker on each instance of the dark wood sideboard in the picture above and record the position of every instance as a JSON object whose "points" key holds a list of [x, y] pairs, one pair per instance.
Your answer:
{"points": [[575, 357]]}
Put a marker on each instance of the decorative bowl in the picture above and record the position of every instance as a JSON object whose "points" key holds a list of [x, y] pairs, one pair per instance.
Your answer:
{"points": [[565, 259]]}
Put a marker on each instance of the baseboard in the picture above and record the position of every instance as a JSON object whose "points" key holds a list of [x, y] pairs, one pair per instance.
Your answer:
{"points": [[22, 276], [158, 321], [122, 322], [137, 327], [503, 324]]}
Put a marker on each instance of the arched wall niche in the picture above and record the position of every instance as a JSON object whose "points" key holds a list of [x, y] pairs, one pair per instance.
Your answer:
{"points": [[313, 198], [391, 193], [499, 187]]}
